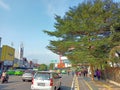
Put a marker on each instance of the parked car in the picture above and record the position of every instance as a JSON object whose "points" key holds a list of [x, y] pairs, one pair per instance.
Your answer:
{"points": [[27, 76], [46, 80], [30, 71], [18, 72], [63, 72], [11, 72]]}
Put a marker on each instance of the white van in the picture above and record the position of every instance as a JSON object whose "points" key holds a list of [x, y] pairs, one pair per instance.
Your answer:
{"points": [[46, 80]]}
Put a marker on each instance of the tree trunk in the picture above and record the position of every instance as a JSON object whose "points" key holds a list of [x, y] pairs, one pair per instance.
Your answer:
{"points": [[92, 72]]}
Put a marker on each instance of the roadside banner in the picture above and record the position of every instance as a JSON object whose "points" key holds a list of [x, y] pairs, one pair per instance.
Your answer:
{"points": [[7, 53]]}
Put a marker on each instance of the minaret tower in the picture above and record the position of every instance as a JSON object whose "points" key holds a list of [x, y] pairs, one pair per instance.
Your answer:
{"points": [[21, 51]]}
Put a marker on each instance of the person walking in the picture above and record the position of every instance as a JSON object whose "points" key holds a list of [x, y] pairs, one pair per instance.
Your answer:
{"points": [[68, 72], [79, 73], [73, 73], [98, 74]]}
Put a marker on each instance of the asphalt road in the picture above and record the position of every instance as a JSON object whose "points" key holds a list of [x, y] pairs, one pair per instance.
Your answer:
{"points": [[66, 82], [16, 83]]}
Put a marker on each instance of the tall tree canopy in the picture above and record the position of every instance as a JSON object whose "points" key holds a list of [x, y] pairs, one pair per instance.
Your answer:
{"points": [[90, 28]]}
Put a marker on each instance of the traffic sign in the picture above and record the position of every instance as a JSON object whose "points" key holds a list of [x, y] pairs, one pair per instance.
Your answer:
{"points": [[53, 61]]}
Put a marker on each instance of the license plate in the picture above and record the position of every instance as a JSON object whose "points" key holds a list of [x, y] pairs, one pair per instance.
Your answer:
{"points": [[41, 84]]}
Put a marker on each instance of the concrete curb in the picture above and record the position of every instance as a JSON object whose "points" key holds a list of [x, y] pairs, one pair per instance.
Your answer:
{"points": [[113, 82], [76, 85]]}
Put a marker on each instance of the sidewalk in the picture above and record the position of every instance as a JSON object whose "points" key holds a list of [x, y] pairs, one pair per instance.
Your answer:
{"points": [[85, 83]]}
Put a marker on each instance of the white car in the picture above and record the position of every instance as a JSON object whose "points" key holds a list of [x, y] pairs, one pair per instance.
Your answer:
{"points": [[46, 80], [27, 76]]}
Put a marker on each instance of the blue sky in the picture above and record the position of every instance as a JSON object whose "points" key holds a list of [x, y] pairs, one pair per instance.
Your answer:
{"points": [[22, 21]]}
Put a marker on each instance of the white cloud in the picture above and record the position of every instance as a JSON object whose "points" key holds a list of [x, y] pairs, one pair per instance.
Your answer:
{"points": [[42, 56], [55, 7], [4, 5]]}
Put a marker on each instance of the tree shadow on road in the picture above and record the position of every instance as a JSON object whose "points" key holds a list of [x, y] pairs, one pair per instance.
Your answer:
{"points": [[12, 81], [65, 88], [3, 86]]}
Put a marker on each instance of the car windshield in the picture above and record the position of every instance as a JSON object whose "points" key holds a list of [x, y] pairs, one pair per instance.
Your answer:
{"points": [[27, 74], [30, 71], [42, 76]]}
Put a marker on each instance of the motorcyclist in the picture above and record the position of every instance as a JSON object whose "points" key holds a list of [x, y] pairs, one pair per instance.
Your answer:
{"points": [[5, 76]]}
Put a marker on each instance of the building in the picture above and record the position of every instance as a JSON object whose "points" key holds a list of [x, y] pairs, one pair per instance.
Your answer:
{"points": [[7, 57], [65, 63]]}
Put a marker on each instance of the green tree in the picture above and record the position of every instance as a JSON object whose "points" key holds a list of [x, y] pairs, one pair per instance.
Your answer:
{"points": [[51, 66], [83, 28], [92, 28], [42, 67]]}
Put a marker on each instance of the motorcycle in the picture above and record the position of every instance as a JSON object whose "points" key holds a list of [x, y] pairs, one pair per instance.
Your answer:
{"points": [[4, 79]]}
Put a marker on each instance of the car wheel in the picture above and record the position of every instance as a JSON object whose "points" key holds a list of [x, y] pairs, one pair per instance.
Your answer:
{"points": [[23, 80], [60, 83], [59, 88], [55, 88], [7, 81]]}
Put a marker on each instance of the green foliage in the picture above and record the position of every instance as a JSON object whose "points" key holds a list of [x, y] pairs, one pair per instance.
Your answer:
{"points": [[42, 67], [51, 66], [90, 28]]}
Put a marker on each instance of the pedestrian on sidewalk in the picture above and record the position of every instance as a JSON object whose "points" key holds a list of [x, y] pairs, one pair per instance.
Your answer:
{"points": [[98, 74], [73, 73], [79, 73], [85, 72], [68, 72]]}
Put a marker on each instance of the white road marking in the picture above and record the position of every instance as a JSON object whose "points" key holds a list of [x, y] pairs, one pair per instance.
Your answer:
{"points": [[72, 86]]}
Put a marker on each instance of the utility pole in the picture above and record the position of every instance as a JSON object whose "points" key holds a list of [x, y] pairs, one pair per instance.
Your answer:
{"points": [[0, 41]]}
